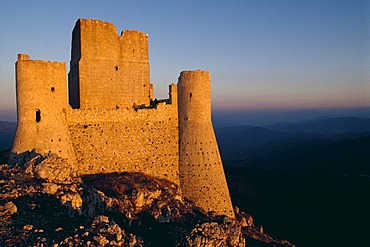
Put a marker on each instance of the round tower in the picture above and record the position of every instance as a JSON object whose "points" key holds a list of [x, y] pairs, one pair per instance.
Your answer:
{"points": [[202, 177], [41, 102]]}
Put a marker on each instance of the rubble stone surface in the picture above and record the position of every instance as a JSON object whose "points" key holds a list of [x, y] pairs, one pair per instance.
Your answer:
{"points": [[119, 209]]}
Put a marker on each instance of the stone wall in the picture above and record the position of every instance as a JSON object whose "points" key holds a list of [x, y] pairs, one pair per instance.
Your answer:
{"points": [[118, 140], [74, 72], [108, 70]]}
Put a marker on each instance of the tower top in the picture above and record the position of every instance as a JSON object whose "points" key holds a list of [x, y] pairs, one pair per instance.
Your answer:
{"points": [[23, 57], [193, 72]]}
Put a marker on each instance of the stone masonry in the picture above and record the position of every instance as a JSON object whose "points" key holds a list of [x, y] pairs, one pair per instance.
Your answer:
{"points": [[110, 122]]}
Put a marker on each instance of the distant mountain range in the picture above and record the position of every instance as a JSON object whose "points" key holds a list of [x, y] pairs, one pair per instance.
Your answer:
{"points": [[337, 125], [321, 144], [299, 178]]}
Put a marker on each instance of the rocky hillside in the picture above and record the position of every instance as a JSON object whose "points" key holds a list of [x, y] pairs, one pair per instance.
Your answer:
{"points": [[43, 202]]}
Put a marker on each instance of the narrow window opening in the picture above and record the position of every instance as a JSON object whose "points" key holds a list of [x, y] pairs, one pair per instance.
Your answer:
{"points": [[116, 67], [191, 94], [38, 115], [52, 89]]}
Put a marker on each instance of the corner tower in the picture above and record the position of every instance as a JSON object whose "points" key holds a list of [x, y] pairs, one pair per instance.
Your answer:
{"points": [[41, 103], [202, 177]]}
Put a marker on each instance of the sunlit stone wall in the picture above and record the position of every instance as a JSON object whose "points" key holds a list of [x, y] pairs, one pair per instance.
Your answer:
{"points": [[202, 175], [41, 103], [119, 140], [108, 70]]}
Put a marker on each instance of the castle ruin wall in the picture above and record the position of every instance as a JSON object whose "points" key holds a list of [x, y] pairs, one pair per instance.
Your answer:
{"points": [[125, 140], [112, 124], [108, 70]]}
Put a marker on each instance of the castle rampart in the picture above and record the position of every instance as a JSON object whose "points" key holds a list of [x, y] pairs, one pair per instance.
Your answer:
{"points": [[118, 140], [112, 123]]}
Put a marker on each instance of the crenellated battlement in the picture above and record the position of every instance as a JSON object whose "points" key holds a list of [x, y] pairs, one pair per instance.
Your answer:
{"points": [[23, 57], [110, 121]]}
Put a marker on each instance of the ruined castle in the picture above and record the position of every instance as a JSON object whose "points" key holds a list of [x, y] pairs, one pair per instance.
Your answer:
{"points": [[109, 120]]}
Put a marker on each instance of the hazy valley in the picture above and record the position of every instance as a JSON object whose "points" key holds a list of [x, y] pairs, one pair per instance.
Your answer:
{"points": [[308, 180]]}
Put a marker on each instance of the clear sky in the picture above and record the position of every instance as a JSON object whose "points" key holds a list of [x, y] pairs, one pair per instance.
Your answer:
{"points": [[261, 54]]}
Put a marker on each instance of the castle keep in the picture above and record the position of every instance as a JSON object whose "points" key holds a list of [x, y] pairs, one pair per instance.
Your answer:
{"points": [[110, 122]]}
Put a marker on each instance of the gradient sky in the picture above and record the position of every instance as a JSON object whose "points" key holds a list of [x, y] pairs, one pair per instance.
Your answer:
{"points": [[261, 54]]}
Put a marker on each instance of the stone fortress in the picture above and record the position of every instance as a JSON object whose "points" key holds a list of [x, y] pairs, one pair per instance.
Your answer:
{"points": [[110, 122]]}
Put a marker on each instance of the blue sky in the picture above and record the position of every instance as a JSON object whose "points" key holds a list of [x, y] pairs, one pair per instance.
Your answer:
{"points": [[261, 54]]}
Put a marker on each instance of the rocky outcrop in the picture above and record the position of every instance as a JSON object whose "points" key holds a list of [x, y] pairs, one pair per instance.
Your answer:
{"points": [[50, 167], [227, 233], [43, 202], [102, 232]]}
